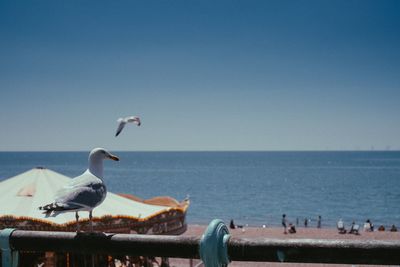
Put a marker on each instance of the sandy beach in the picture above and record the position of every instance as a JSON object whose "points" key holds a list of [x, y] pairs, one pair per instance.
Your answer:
{"points": [[277, 232]]}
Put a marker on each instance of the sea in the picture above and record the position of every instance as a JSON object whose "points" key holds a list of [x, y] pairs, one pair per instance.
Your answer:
{"points": [[252, 188]]}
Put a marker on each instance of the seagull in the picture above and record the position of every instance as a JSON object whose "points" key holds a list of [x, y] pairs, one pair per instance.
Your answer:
{"points": [[84, 192], [123, 121]]}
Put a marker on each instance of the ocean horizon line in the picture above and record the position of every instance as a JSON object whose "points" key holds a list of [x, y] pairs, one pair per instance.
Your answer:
{"points": [[199, 151]]}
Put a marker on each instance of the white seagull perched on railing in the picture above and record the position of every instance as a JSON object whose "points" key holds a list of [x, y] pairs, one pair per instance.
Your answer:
{"points": [[123, 121], [84, 192]]}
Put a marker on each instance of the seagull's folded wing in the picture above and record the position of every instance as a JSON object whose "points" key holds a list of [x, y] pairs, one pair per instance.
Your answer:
{"points": [[86, 191], [84, 197]]}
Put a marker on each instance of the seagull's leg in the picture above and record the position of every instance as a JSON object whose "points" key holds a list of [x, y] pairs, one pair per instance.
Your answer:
{"points": [[91, 222], [77, 221]]}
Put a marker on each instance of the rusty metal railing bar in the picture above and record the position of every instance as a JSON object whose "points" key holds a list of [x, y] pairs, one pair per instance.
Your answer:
{"points": [[239, 249]]}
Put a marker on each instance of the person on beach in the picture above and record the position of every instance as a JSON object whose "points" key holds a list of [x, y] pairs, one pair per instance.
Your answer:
{"points": [[305, 222], [368, 226], [284, 223], [319, 221], [393, 229], [292, 228], [232, 224]]}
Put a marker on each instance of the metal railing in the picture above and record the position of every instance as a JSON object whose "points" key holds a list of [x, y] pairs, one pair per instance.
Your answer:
{"points": [[215, 247]]}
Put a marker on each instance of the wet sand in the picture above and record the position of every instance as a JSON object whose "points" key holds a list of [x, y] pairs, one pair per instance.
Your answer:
{"points": [[277, 232]]}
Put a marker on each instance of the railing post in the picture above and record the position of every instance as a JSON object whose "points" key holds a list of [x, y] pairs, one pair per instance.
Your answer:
{"points": [[9, 258], [214, 245]]}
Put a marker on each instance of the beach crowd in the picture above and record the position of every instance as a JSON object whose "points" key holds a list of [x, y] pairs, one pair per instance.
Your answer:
{"points": [[289, 227]]}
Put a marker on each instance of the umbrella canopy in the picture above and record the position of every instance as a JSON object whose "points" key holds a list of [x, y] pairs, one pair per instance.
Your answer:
{"points": [[21, 195]]}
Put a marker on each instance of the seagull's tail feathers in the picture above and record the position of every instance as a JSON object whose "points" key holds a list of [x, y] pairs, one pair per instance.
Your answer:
{"points": [[53, 209]]}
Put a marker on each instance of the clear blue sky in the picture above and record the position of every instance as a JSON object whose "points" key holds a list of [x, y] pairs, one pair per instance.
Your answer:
{"points": [[203, 75]]}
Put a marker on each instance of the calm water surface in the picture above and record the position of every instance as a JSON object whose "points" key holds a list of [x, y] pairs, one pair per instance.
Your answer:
{"points": [[251, 187]]}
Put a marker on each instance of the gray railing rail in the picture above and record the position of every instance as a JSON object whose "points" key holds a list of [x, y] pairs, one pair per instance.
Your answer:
{"points": [[237, 249]]}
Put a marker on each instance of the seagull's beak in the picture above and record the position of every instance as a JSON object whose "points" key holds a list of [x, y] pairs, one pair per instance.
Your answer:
{"points": [[113, 157]]}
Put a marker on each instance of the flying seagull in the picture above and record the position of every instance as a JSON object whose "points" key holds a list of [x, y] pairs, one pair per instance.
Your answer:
{"points": [[84, 192], [123, 121]]}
